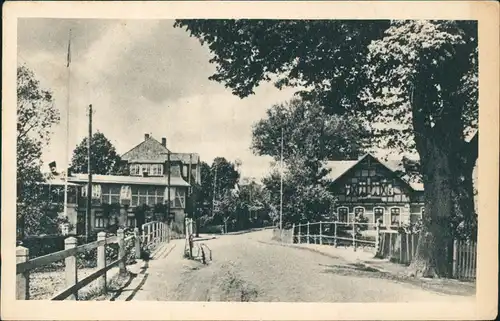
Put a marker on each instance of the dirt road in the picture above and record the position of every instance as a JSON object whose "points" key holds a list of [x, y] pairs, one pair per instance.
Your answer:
{"points": [[245, 269]]}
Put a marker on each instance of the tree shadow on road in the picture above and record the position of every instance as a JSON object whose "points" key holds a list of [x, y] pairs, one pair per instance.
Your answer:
{"points": [[132, 277], [442, 286]]}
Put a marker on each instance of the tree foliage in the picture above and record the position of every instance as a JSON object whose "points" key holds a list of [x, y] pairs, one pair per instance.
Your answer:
{"points": [[308, 130], [36, 114], [103, 155], [305, 194], [319, 57], [414, 82]]}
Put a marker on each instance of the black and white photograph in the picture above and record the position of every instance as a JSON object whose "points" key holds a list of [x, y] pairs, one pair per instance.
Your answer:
{"points": [[249, 160]]}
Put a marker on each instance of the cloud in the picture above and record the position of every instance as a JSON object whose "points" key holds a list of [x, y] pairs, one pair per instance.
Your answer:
{"points": [[142, 77]]}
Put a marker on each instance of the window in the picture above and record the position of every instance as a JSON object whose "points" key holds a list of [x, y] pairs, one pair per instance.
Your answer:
{"points": [[131, 222], [178, 196], [375, 189], [347, 189], [100, 222], [378, 212], [149, 195], [343, 213], [185, 170], [96, 191], [362, 188], [387, 189], [358, 211], [156, 170], [150, 169], [135, 169], [395, 216], [125, 195], [111, 194]]}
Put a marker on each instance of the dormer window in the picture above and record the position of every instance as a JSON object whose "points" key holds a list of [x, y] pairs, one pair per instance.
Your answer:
{"points": [[146, 169]]}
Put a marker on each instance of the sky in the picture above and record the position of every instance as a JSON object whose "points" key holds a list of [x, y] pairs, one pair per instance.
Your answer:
{"points": [[141, 76]]}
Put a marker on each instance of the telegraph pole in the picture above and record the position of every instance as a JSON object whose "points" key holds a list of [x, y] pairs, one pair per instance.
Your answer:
{"points": [[215, 184], [88, 213], [168, 182]]}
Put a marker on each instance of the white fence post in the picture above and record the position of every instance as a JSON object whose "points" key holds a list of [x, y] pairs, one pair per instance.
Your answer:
{"points": [[335, 234], [320, 234], [101, 260], [307, 232], [121, 251], [354, 234], [455, 257], [137, 240], [70, 266], [22, 279], [298, 235], [377, 238], [293, 231]]}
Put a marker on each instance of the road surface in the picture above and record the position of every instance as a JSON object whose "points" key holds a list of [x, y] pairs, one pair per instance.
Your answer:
{"points": [[246, 269]]}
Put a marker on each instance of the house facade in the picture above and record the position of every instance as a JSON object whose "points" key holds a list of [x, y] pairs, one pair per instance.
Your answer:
{"points": [[129, 200], [375, 189]]}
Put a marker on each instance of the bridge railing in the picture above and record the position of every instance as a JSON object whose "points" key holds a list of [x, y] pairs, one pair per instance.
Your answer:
{"points": [[154, 233]]}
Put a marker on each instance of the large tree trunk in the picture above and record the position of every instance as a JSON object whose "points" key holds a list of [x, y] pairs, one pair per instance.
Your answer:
{"points": [[446, 165], [433, 250]]}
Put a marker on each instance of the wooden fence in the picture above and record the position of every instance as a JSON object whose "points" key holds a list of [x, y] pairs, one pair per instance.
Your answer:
{"points": [[337, 234], [153, 232], [402, 248], [464, 260]]}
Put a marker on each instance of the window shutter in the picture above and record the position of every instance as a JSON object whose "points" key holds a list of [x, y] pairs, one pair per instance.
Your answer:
{"points": [[125, 193], [172, 193], [96, 191]]}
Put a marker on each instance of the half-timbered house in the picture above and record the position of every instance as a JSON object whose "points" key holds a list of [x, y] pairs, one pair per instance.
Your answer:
{"points": [[376, 189]]}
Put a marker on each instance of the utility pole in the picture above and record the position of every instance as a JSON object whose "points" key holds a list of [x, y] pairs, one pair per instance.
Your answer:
{"points": [[281, 187], [88, 213], [215, 184], [190, 189], [168, 183]]}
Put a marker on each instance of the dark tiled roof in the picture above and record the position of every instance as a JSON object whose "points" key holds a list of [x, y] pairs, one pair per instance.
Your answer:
{"points": [[152, 151]]}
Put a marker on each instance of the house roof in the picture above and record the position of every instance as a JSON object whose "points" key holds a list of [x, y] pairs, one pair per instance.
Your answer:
{"points": [[339, 168], [57, 181], [132, 180], [152, 151]]}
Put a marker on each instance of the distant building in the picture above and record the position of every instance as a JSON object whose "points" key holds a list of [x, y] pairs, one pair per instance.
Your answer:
{"points": [[376, 189], [146, 184]]}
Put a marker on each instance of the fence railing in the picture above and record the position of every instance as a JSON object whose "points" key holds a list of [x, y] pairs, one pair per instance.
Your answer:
{"points": [[155, 232], [402, 248], [464, 260], [72, 285], [337, 233]]}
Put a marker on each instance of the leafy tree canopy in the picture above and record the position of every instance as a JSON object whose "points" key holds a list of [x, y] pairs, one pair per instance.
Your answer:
{"points": [[36, 114], [308, 130], [104, 159]]}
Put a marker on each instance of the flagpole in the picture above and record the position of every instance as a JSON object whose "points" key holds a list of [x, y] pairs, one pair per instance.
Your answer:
{"points": [[281, 187], [68, 67]]}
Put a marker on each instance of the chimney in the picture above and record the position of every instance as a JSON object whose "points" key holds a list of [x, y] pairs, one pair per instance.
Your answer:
{"points": [[164, 141], [146, 136]]}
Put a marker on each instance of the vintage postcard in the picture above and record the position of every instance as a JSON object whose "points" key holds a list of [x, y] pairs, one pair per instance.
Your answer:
{"points": [[250, 160]]}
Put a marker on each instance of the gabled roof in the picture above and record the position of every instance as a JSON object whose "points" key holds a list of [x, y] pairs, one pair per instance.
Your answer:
{"points": [[339, 168], [152, 151]]}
